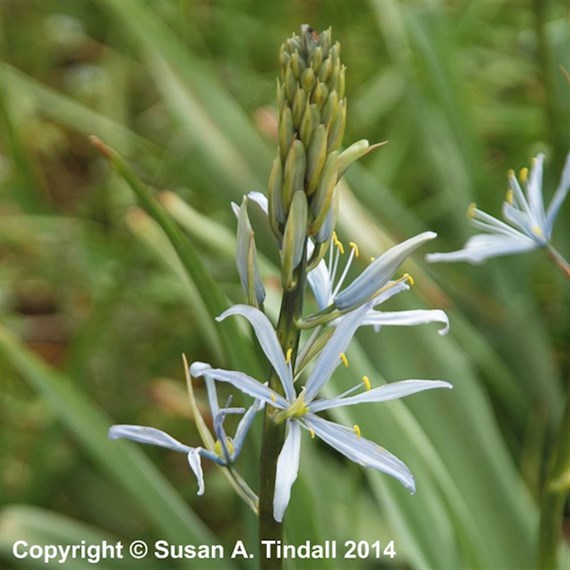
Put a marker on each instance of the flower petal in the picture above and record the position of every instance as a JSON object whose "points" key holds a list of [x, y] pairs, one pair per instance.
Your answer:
{"points": [[377, 274], [483, 246], [408, 318], [534, 190], [319, 280], [147, 435], [360, 450], [260, 199], [384, 393], [249, 386], [329, 358], [287, 469], [558, 198], [243, 427], [269, 343], [196, 466]]}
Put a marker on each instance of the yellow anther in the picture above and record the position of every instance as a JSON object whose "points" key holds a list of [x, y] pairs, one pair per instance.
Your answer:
{"points": [[407, 277], [355, 248], [537, 231], [511, 173], [289, 355], [337, 243], [356, 430], [344, 359], [471, 210], [366, 381], [523, 175], [509, 196], [372, 258], [273, 397], [312, 433]]}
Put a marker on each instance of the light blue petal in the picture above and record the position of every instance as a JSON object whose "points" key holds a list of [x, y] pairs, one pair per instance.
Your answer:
{"points": [[243, 427], [329, 358], [378, 273], [147, 435], [319, 280], [212, 394], [260, 199], [408, 318], [249, 386], [269, 343], [382, 394], [558, 198], [221, 432], [390, 292], [196, 466], [521, 220], [483, 246], [534, 191], [287, 469], [360, 450]]}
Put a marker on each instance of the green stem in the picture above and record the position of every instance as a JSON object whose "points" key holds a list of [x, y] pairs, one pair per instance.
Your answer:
{"points": [[554, 495], [273, 433], [559, 260]]}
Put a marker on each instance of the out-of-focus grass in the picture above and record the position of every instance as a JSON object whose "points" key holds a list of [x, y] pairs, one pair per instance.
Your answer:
{"points": [[184, 90]]}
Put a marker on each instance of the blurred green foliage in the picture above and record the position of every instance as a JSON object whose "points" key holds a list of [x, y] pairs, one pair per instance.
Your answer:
{"points": [[185, 90]]}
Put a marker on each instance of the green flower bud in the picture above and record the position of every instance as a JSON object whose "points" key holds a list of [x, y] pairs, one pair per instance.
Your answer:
{"points": [[297, 65], [290, 84], [275, 197], [316, 159], [286, 132], [311, 120], [324, 194], [294, 238], [294, 173], [320, 94], [336, 131], [317, 58], [308, 79], [299, 105]]}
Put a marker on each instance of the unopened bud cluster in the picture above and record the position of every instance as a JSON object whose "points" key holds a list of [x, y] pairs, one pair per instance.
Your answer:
{"points": [[308, 165], [312, 118]]}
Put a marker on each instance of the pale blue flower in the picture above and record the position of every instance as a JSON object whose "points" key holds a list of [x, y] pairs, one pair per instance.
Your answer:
{"points": [[299, 409], [326, 288], [226, 450], [530, 224]]}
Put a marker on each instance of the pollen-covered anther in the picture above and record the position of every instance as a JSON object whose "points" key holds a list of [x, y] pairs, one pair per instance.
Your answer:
{"points": [[366, 382], [471, 210], [355, 248], [344, 359], [372, 258], [337, 243], [509, 196], [356, 430], [523, 175], [537, 231], [273, 398], [407, 277], [312, 433], [288, 355]]}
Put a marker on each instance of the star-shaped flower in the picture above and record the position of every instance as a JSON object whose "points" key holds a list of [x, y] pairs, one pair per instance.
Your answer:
{"points": [[300, 410], [530, 224]]}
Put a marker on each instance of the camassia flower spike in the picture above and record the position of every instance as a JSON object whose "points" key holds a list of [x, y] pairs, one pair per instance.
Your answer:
{"points": [[530, 224], [299, 409]]}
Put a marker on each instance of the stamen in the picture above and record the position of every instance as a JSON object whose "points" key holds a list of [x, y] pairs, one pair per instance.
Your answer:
{"points": [[511, 173], [273, 397], [509, 196], [407, 277], [355, 248], [537, 231], [372, 258], [366, 381], [289, 355], [337, 243], [471, 210], [344, 359], [312, 433], [356, 430], [523, 175]]}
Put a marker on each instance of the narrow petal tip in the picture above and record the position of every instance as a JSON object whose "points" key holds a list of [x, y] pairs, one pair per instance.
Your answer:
{"points": [[198, 369]]}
